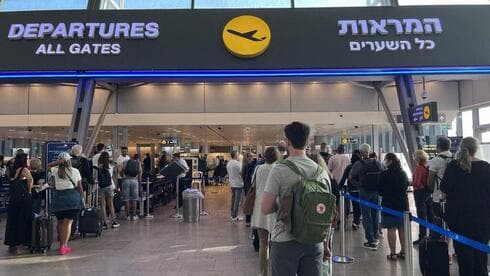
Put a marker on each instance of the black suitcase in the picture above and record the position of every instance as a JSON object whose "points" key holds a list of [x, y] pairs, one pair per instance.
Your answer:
{"points": [[433, 257], [172, 170], [90, 220], [118, 202], [42, 230]]}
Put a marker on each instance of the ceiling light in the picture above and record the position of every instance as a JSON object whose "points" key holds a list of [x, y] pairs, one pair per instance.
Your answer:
{"points": [[11, 130]]}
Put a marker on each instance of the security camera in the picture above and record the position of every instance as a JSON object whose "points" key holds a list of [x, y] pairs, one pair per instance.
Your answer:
{"points": [[425, 95]]}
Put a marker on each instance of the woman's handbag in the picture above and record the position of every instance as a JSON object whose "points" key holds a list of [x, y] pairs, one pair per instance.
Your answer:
{"points": [[249, 203], [69, 199]]}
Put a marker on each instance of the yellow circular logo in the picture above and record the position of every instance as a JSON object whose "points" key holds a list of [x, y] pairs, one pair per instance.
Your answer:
{"points": [[426, 112], [246, 36]]}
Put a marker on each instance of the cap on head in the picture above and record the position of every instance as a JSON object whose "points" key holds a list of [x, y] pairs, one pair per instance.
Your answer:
{"points": [[64, 156]]}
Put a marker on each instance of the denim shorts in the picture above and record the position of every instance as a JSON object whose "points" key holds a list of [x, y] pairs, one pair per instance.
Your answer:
{"points": [[130, 189], [106, 192]]}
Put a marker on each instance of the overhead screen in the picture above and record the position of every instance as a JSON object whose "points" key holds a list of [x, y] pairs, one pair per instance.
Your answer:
{"points": [[152, 40]]}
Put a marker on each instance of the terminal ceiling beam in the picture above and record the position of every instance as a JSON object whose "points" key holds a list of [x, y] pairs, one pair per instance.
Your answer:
{"points": [[391, 120], [408, 99], [82, 111]]}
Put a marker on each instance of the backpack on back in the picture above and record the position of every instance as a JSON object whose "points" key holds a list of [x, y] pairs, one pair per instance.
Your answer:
{"points": [[132, 168], [104, 177], [313, 206], [75, 162], [369, 176]]}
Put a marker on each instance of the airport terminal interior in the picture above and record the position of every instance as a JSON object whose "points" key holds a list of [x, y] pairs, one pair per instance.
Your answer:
{"points": [[202, 102]]}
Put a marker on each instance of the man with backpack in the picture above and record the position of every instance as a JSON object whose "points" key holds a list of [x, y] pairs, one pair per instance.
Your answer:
{"points": [[367, 171], [130, 187], [437, 167], [298, 191]]}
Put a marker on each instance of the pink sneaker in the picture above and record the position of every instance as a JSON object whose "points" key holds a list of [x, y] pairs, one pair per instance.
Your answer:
{"points": [[64, 250]]}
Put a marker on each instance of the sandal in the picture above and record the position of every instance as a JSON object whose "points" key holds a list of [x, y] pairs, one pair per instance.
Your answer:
{"points": [[401, 255], [392, 257]]}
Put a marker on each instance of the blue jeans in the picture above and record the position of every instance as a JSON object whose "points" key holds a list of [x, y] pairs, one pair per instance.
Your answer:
{"points": [[370, 216], [236, 195]]}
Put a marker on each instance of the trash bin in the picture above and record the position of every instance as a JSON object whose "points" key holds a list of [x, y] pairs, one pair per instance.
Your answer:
{"points": [[191, 197]]}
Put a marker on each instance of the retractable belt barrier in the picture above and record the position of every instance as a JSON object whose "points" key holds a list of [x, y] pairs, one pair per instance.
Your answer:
{"points": [[454, 236]]}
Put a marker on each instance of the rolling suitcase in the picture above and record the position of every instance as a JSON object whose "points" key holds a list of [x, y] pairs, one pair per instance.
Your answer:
{"points": [[90, 220], [434, 257], [42, 229]]}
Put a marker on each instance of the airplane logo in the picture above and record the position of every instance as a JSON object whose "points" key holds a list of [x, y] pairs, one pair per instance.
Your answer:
{"points": [[247, 35]]}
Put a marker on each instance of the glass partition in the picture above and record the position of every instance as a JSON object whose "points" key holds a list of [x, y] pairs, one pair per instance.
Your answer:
{"points": [[29, 5], [238, 4]]}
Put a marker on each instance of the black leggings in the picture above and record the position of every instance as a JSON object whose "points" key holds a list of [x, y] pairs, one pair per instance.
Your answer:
{"points": [[423, 202], [471, 262]]}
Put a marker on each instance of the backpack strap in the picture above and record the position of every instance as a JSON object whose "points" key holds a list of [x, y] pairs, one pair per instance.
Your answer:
{"points": [[290, 164]]}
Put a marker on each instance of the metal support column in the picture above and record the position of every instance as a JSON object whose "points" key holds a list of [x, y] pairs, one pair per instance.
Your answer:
{"points": [[93, 137], [82, 110], [408, 99], [392, 122]]}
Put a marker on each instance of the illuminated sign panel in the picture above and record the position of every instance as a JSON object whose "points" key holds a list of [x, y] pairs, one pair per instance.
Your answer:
{"points": [[424, 113], [340, 40]]}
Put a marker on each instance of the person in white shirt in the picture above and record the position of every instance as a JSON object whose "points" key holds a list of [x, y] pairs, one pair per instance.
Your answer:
{"points": [[234, 169], [437, 168], [120, 165], [182, 186], [95, 159], [338, 163]]}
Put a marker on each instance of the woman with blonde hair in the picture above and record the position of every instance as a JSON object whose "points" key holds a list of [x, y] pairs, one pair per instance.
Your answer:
{"points": [[421, 192], [467, 190]]}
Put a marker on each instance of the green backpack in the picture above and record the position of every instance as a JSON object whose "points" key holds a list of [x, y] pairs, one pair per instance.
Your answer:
{"points": [[313, 207]]}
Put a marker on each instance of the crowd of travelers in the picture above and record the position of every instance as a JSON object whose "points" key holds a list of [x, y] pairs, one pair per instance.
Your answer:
{"points": [[292, 195], [451, 191]]}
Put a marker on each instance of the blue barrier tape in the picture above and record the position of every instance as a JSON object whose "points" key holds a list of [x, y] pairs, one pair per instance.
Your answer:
{"points": [[456, 237]]}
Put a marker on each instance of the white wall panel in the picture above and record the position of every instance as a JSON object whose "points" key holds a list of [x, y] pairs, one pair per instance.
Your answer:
{"points": [[100, 98], [51, 99], [13, 99], [474, 92], [341, 97], [444, 93], [171, 98], [255, 97]]}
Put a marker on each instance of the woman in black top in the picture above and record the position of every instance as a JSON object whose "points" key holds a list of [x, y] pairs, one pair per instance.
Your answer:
{"points": [[467, 187], [20, 216], [393, 189]]}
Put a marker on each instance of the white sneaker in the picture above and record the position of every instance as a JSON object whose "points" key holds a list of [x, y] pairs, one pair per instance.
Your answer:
{"points": [[134, 218], [234, 219], [239, 218], [128, 218]]}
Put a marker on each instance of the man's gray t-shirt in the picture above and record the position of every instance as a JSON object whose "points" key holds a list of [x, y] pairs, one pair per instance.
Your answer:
{"points": [[280, 182]]}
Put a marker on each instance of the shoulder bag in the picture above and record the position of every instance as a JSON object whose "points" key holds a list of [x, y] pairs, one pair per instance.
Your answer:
{"points": [[249, 203], [64, 200]]}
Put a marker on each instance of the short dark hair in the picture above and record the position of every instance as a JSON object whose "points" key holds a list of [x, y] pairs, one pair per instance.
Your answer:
{"points": [[395, 162], [443, 143], [341, 149], [297, 134], [233, 154], [124, 148], [271, 155], [100, 147]]}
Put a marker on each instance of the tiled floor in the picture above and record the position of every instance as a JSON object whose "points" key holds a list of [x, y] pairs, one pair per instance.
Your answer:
{"points": [[164, 246]]}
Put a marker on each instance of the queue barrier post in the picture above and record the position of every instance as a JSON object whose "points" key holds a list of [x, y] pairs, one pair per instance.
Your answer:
{"points": [[177, 215], [407, 226], [148, 215], [342, 258]]}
